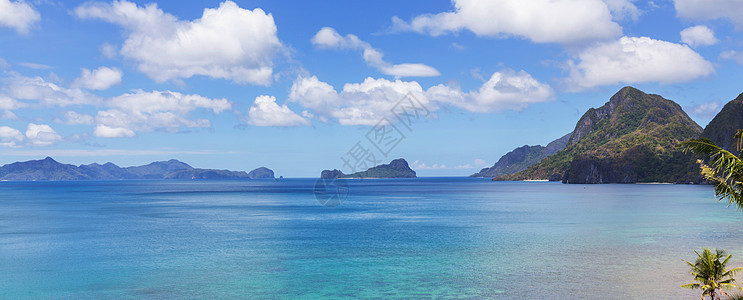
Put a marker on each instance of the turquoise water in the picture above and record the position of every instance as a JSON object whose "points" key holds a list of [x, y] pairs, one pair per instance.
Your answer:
{"points": [[413, 238]]}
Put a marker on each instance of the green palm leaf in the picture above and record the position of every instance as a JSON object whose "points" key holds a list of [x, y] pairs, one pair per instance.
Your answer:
{"points": [[723, 169], [711, 274]]}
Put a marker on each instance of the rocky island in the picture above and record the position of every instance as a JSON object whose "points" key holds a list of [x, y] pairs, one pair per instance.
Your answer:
{"points": [[397, 168], [632, 138]]}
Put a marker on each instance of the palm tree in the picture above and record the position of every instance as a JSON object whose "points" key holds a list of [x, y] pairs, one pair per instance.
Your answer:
{"points": [[738, 137], [724, 169], [710, 274]]}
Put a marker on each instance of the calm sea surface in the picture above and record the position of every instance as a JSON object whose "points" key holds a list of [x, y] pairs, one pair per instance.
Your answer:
{"points": [[413, 238]]}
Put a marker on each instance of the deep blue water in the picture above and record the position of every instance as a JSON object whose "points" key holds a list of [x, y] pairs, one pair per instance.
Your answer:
{"points": [[412, 238]]}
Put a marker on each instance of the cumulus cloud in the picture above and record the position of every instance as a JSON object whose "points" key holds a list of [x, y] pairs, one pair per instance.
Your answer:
{"points": [[480, 162], [74, 118], [505, 90], [364, 103], [265, 112], [370, 101], [737, 56], [99, 79], [710, 9], [328, 38], [636, 60], [112, 132], [541, 21], [10, 137], [42, 135], [18, 15], [47, 93], [698, 36], [157, 110], [227, 42]]}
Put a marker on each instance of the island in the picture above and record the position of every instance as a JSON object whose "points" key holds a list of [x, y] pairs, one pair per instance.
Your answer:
{"points": [[50, 169], [397, 168]]}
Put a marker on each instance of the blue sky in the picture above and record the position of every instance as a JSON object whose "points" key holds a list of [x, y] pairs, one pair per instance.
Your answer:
{"points": [[302, 86]]}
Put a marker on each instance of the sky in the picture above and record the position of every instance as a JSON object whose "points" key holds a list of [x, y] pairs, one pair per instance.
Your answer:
{"points": [[302, 86]]}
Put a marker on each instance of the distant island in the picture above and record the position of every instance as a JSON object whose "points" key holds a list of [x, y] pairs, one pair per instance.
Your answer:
{"points": [[632, 138], [50, 169], [397, 168]]}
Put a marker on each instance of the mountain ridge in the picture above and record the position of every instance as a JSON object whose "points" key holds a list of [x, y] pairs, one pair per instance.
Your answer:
{"points": [[50, 169], [631, 138]]}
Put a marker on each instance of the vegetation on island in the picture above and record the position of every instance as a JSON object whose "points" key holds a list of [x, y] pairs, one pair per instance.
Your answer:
{"points": [[632, 138], [397, 168]]}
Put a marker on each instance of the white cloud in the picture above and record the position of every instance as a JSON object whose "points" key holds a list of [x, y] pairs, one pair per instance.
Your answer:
{"points": [[328, 38], [157, 110], [48, 93], [710, 9], [541, 21], [737, 56], [10, 137], [316, 95], [706, 110], [74, 118], [418, 165], [156, 101], [8, 103], [636, 60], [227, 42], [698, 36], [622, 9], [18, 15], [42, 135], [480, 162], [370, 101], [265, 112], [112, 132], [98, 79], [505, 90], [364, 103]]}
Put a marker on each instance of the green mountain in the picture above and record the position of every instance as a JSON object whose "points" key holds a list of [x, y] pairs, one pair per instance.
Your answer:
{"points": [[724, 125], [522, 158], [397, 168], [50, 169], [632, 138]]}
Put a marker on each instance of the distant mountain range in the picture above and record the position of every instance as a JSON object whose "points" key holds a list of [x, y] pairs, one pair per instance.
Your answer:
{"points": [[397, 168], [631, 138], [50, 169]]}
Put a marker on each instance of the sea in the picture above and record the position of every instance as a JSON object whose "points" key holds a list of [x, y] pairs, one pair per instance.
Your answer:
{"points": [[422, 238]]}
